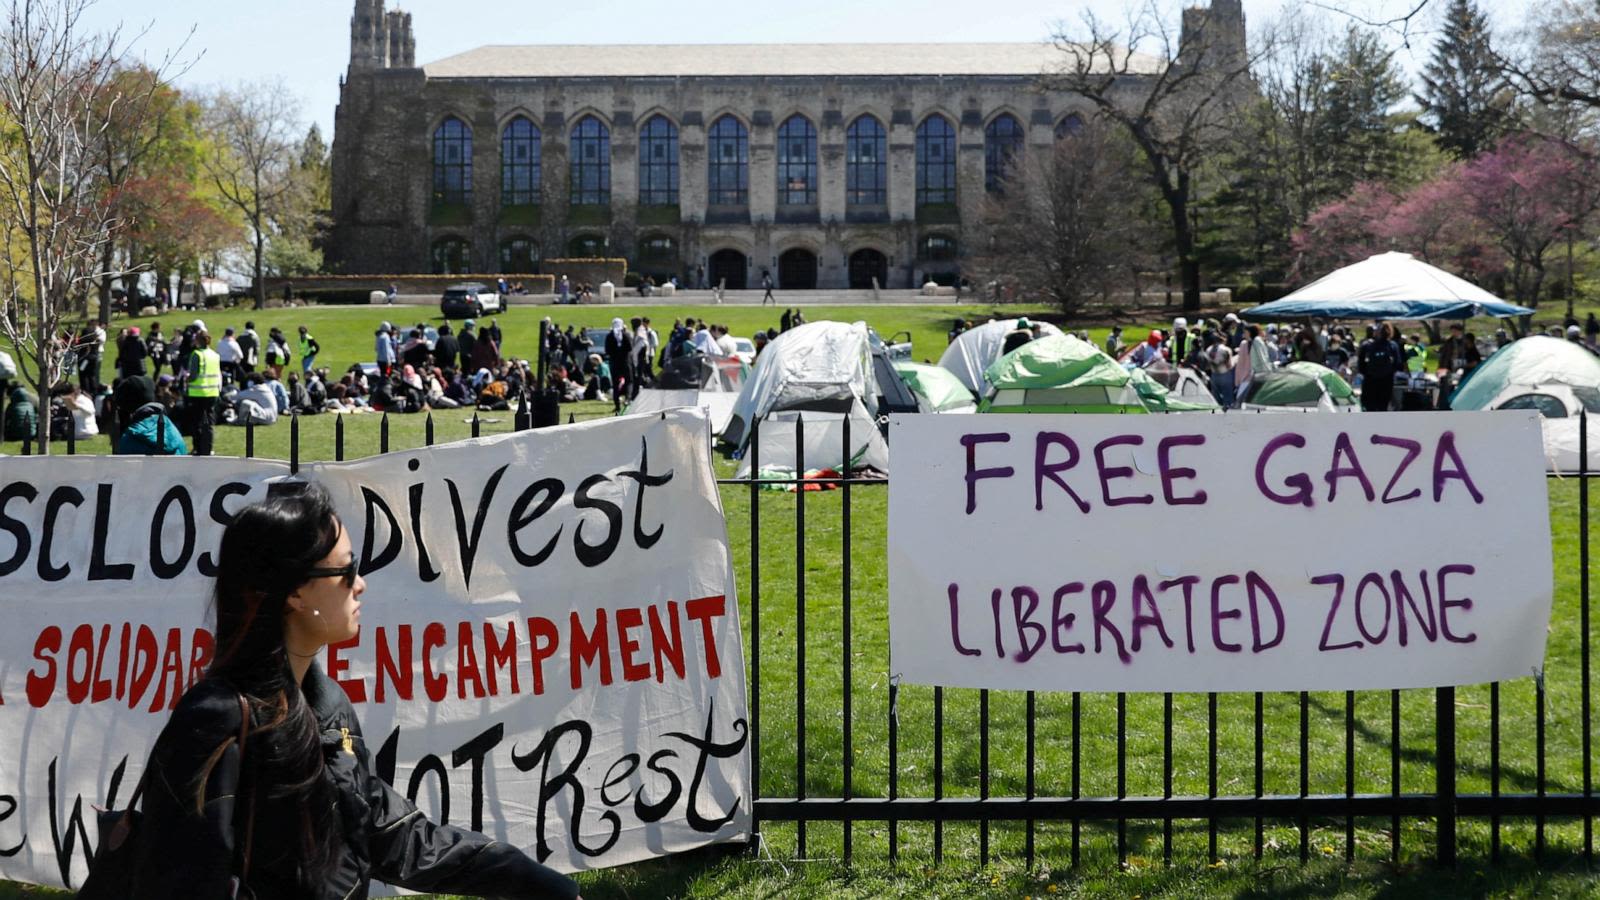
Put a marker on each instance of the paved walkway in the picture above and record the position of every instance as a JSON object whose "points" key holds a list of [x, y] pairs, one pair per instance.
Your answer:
{"points": [[738, 298]]}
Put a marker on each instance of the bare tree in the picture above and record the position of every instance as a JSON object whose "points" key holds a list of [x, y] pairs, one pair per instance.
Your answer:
{"points": [[55, 217], [1174, 95], [252, 159], [1558, 60], [1065, 224]]}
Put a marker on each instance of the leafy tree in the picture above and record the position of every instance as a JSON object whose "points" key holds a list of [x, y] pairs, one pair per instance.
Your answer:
{"points": [[251, 160], [1465, 95], [1519, 192], [1345, 231], [1357, 128]]}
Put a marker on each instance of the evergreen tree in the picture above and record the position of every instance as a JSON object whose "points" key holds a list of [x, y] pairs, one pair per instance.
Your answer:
{"points": [[1465, 96], [1358, 128]]}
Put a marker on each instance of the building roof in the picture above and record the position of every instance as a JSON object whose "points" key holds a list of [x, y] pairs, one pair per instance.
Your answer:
{"points": [[743, 60]]}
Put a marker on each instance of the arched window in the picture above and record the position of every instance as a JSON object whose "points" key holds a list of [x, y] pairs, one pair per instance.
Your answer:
{"points": [[936, 162], [797, 162], [452, 162], [451, 256], [658, 162], [519, 255], [519, 163], [658, 253], [1071, 125], [728, 162], [937, 248], [587, 246], [590, 150], [866, 163], [1002, 144]]}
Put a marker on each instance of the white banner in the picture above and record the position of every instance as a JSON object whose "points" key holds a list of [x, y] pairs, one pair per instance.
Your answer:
{"points": [[1217, 552], [550, 646]]}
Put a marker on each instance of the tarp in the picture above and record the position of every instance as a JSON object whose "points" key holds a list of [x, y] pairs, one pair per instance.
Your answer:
{"points": [[1299, 385], [1184, 383], [1387, 286], [1060, 373], [938, 389], [821, 366], [971, 354], [822, 441], [717, 404]]}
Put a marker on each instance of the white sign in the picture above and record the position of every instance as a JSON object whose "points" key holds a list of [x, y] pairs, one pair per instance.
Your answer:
{"points": [[1217, 552], [550, 643]]}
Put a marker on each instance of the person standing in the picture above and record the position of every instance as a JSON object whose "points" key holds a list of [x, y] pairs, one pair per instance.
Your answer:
{"points": [[308, 349], [155, 346], [564, 288], [249, 349], [619, 353], [131, 353], [766, 285], [205, 385], [641, 351], [446, 349], [1378, 360], [1222, 371], [467, 342], [229, 352]]}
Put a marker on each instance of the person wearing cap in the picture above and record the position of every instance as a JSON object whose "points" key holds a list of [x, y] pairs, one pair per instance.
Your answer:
{"points": [[309, 348], [1180, 340], [205, 386], [229, 353], [1149, 350], [131, 353], [1021, 334], [1575, 334]]}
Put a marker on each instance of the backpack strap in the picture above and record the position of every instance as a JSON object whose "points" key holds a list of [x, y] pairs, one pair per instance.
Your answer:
{"points": [[250, 804]]}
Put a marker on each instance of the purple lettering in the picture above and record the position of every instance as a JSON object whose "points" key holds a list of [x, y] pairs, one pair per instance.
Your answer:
{"points": [[1025, 623], [1299, 481], [955, 624], [1445, 602], [1218, 614], [1376, 580], [1141, 621], [1447, 445], [971, 442], [1413, 450], [1103, 597], [1043, 470], [1403, 599], [1111, 473], [1060, 623], [1188, 582], [994, 607], [1342, 448], [1256, 586], [1170, 473], [1333, 610]]}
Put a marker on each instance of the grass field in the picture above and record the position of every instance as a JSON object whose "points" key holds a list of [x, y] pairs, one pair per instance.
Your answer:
{"points": [[715, 873]]}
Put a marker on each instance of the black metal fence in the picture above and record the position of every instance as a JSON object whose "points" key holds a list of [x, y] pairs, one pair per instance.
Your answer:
{"points": [[1445, 806]]}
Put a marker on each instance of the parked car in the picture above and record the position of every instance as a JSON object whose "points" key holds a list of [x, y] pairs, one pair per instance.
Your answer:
{"points": [[469, 300]]}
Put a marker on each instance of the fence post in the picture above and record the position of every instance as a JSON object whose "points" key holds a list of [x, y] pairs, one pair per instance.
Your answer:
{"points": [[1444, 755]]}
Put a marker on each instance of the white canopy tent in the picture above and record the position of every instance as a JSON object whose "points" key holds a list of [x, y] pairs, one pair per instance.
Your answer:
{"points": [[970, 354], [1387, 286]]}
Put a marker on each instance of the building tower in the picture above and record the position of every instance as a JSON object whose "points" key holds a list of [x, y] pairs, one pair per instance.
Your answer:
{"points": [[1214, 36], [380, 39]]}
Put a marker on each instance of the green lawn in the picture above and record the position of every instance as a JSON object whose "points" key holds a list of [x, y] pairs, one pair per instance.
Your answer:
{"points": [[820, 873]]}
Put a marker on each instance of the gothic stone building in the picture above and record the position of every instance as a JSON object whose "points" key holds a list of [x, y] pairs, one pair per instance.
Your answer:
{"points": [[829, 165]]}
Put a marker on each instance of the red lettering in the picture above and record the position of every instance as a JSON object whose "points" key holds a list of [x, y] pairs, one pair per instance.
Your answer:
{"points": [[497, 655], [389, 672], [703, 611], [671, 648], [45, 648], [467, 664], [627, 620], [354, 688], [587, 647], [435, 685], [171, 672], [81, 645], [146, 655], [199, 657], [546, 639]]}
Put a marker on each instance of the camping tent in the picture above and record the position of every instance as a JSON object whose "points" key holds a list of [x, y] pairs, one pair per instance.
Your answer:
{"points": [[819, 367], [938, 390], [1299, 385], [1060, 373], [970, 354], [709, 382], [717, 404], [1183, 382], [1387, 286], [1558, 378]]}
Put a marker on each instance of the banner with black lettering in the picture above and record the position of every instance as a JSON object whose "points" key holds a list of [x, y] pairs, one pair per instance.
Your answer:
{"points": [[549, 649], [1222, 552]]}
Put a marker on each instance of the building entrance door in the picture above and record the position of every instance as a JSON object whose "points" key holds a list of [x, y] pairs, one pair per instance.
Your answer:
{"points": [[797, 270], [727, 266], [865, 265]]}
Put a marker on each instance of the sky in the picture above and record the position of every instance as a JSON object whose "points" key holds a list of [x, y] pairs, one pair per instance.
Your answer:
{"points": [[306, 43]]}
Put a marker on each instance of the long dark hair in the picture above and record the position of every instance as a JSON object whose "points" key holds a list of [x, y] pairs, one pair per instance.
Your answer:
{"points": [[265, 554]]}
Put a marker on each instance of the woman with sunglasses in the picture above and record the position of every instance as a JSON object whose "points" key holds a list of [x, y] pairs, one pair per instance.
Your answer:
{"points": [[304, 816]]}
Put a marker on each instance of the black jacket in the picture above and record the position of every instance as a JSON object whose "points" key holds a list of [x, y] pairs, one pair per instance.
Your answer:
{"points": [[384, 836]]}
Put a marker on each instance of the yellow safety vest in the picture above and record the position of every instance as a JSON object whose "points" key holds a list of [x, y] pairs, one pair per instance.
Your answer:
{"points": [[208, 381]]}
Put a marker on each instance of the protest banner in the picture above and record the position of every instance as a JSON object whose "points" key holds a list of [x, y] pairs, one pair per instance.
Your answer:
{"points": [[549, 652], [1217, 552]]}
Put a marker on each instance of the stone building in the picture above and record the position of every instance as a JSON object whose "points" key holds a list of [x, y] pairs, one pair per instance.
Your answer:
{"points": [[827, 165]]}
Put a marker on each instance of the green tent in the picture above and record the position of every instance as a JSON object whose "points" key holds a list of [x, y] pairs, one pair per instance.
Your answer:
{"points": [[1533, 365], [938, 390], [1061, 374], [1300, 385]]}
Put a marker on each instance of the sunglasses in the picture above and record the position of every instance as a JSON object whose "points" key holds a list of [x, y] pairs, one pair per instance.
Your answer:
{"points": [[348, 573]]}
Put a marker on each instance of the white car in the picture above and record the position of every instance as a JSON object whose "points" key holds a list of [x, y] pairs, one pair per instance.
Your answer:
{"points": [[744, 350], [470, 300]]}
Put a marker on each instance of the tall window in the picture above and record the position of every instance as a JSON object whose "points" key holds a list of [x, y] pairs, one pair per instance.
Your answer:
{"points": [[936, 161], [937, 248], [866, 163], [797, 162], [519, 163], [728, 159], [1069, 126], [658, 163], [450, 256], [1002, 144], [518, 255], [590, 150], [452, 162]]}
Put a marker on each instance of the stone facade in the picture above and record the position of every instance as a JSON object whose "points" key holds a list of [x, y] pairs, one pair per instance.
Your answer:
{"points": [[388, 218]]}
